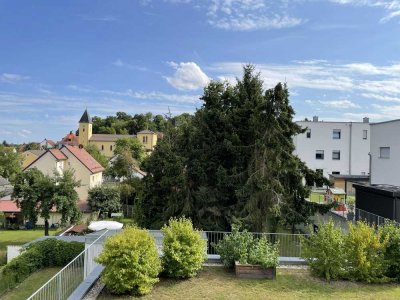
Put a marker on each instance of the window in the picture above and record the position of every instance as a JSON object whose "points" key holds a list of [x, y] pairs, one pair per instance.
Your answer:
{"points": [[365, 134], [336, 155], [145, 139], [110, 147], [83, 129], [319, 154], [335, 173], [102, 147], [384, 152], [362, 173], [336, 134], [308, 133]]}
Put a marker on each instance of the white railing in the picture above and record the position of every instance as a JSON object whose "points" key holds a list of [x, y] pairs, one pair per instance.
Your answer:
{"points": [[61, 285]]}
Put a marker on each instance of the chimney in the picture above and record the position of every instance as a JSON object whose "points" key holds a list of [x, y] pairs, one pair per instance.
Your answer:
{"points": [[315, 119], [365, 120]]}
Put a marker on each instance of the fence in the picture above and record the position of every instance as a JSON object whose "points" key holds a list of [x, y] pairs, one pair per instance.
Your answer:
{"points": [[289, 244], [61, 285]]}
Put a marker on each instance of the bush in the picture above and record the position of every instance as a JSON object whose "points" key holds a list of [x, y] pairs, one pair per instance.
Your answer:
{"points": [[392, 251], [325, 251], [241, 246], [263, 253], [183, 249], [235, 246], [131, 262], [365, 253], [46, 253]]}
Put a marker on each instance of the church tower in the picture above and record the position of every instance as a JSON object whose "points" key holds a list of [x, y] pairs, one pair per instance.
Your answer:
{"points": [[85, 129]]}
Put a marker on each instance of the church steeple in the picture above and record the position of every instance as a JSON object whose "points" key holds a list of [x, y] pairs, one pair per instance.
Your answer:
{"points": [[85, 118], [85, 129]]}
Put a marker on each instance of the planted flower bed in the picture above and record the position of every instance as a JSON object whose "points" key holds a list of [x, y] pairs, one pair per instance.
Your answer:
{"points": [[254, 271]]}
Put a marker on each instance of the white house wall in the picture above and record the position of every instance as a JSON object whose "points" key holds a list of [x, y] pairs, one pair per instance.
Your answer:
{"points": [[47, 164], [353, 161], [385, 170]]}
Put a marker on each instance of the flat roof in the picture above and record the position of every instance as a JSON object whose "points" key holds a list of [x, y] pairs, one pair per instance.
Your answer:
{"points": [[383, 189], [344, 176], [384, 122]]}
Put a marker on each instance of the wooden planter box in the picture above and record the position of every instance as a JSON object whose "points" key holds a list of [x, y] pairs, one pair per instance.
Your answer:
{"points": [[254, 271]]}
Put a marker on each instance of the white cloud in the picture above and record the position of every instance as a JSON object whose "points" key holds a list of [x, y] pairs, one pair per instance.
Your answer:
{"points": [[122, 64], [323, 75], [340, 104], [381, 97], [9, 77], [392, 7], [188, 76]]}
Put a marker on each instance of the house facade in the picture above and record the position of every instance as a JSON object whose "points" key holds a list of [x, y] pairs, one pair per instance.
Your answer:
{"points": [[86, 169], [339, 148], [385, 153], [106, 142], [30, 156]]}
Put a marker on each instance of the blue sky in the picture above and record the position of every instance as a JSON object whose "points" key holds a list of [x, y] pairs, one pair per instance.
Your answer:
{"points": [[340, 58]]}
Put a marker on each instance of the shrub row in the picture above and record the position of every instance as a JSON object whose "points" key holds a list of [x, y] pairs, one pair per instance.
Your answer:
{"points": [[241, 246], [362, 254], [132, 262], [47, 253]]}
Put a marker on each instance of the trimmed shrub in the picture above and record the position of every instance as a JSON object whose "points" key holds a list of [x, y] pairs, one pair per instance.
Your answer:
{"points": [[325, 251], [184, 251], [47, 253], [241, 246], [392, 251], [131, 262], [365, 253], [235, 246], [263, 253]]}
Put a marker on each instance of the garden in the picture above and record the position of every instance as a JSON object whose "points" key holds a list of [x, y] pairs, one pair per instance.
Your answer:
{"points": [[364, 263]]}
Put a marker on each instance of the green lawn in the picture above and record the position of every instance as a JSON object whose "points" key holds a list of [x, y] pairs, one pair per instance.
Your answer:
{"points": [[218, 283], [17, 237], [30, 285]]}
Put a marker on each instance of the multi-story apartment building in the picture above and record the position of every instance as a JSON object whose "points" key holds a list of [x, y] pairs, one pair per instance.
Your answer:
{"points": [[334, 147], [385, 153]]}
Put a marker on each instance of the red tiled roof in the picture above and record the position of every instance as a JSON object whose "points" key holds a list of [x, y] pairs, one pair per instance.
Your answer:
{"points": [[58, 154], [85, 158], [8, 206]]}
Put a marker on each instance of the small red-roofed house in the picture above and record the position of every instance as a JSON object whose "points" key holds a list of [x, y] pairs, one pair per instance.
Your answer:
{"points": [[86, 169]]}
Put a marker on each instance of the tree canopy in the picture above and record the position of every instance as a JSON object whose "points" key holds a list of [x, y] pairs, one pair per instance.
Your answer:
{"points": [[105, 199], [233, 160], [37, 194], [10, 163]]}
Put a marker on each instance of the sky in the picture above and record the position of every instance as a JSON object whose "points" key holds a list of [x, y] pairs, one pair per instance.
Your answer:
{"points": [[339, 58]]}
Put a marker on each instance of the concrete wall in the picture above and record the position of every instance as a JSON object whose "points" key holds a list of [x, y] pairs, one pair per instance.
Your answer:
{"points": [[354, 159], [13, 252], [385, 170]]}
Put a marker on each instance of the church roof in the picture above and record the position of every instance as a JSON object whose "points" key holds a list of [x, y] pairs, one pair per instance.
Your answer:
{"points": [[109, 137], [85, 118], [146, 131]]}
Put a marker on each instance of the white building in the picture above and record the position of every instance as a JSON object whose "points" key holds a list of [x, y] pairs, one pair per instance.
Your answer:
{"points": [[385, 153], [335, 147]]}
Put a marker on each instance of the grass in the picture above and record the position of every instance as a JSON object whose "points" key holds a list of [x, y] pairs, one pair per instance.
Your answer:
{"points": [[30, 284], [218, 283], [17, 237]]}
